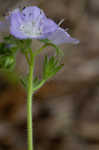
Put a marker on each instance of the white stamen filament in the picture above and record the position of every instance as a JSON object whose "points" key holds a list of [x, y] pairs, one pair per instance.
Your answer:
{"points": [[59, 24]]}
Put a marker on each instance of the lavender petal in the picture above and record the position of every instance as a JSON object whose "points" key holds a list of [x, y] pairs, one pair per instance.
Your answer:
{"points": [[61, 36], [31, 13], [48, 26], [16, 17]]}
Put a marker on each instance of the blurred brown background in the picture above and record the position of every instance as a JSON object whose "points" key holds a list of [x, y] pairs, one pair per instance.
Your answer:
{"points": [[66, 109]]}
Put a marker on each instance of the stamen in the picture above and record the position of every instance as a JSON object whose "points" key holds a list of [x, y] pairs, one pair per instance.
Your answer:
{"points": [[66, 29], [59, 24]]}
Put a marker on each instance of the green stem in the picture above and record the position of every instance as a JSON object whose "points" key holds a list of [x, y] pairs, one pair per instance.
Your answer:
{"points": [[43, 47], [58, 51], [29, 103]]}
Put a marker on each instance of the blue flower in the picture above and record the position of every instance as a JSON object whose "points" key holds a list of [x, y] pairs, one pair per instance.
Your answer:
{"points": [[33, 24]]}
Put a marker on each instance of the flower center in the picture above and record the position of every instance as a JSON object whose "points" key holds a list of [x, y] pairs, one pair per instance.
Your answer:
{"points": [[31, 29]]}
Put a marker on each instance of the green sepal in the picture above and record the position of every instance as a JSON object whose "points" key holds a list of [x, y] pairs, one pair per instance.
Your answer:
{"points": [[17, 44], [5, 49], [12, 43], [25, 45]]}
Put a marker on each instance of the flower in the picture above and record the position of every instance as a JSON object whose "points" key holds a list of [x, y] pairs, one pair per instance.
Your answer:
{"points": [[32, 23]]}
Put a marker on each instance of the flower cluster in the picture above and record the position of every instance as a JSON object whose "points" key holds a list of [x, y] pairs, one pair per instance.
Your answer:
{"points": [[32, 23]]}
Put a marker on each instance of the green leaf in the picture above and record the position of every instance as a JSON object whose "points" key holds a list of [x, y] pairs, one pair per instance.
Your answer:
{"points": [[36, 82], [23, 81], [7, 62], [57, 69], [25, 45], [50, 67]]}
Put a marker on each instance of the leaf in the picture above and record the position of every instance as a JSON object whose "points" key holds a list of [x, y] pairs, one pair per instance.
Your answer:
{"points": [[36, 82], [50, 67], [57, 69], [7, 62], [24, 81]]}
